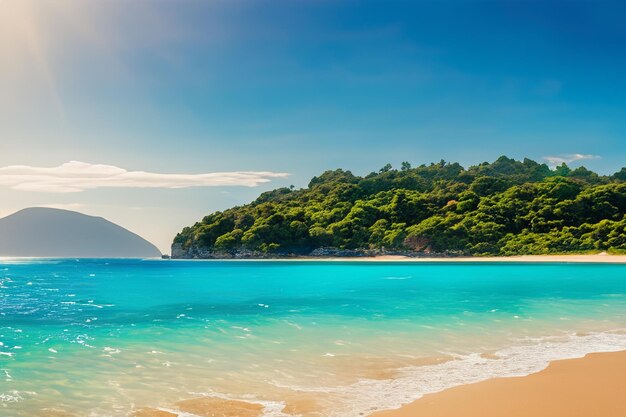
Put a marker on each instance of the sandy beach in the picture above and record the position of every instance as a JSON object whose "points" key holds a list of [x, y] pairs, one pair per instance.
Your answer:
{"points": [[595, 258], [584, 258], [575, 258], [590, 386]]}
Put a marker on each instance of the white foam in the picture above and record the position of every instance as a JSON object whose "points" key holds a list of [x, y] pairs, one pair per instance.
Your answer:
{"points": [[14, 396], [10, 397], [524, 357], [177, 412], [527, 357]]}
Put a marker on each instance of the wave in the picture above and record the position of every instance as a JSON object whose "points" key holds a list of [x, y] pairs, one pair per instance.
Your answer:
{"points": [[367, 396], [531, 355]]}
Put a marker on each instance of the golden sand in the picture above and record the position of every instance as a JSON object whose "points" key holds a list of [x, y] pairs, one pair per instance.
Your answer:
{"points": [[206, 407], [591, 258], [216, 407], [598, 258], [302, 407], [152, 412], [592, 386]]}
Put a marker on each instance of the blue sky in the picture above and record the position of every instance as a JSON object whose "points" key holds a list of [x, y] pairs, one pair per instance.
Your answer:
{"points": [[297, 87]]}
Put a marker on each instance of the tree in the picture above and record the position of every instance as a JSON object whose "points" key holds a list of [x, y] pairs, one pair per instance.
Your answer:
{"points": [[386, 168], [501, 208]]}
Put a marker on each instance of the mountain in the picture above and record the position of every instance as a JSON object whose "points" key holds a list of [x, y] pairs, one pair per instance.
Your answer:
{"points": [[506, 207], [49, 232]]}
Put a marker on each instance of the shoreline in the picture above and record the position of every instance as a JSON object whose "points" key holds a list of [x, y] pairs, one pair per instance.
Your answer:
{"points": [[601, 258], [597, 258], [592, 385], [482, 386]]}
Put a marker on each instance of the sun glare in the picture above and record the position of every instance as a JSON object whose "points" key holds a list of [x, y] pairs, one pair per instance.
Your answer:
{"points": [[18, 29]]}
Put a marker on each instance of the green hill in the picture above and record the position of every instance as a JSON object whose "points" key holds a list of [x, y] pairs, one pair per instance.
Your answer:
{"points": [[506, 207]]}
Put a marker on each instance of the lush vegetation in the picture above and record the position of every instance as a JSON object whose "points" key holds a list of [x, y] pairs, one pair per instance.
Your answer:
{"points": [[506, 207]]}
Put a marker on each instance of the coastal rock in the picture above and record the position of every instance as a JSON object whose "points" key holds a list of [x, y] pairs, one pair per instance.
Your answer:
{"points": [[193, 252]]}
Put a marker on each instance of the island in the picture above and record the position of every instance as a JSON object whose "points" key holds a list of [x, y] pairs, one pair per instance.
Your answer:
{"points": [[504, 208]]}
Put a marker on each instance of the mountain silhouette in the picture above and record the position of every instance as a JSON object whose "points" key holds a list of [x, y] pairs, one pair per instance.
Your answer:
{"points": [[49, 232]]}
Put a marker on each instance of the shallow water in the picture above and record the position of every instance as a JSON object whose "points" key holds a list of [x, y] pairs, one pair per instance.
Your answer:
{"points": [[102, 337]]}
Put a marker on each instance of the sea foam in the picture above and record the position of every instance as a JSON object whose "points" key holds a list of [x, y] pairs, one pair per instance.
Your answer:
{"points": [[527, 356], [531, 355]]}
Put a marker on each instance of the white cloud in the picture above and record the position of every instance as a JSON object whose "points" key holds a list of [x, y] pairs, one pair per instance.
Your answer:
{"points": [[568, 158], [75, 176], [65, 206]]}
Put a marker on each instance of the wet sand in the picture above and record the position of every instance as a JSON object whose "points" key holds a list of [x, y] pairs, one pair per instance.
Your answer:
{"points": [[592, 386], [205, 407]]}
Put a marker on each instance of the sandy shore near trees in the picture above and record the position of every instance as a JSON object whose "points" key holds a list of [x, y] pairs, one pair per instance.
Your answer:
{"points": [[585, 258], [591, 258], [597, 258]]}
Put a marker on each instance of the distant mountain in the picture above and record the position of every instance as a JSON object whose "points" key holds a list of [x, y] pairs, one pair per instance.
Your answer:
{"points": [[48, 232]]}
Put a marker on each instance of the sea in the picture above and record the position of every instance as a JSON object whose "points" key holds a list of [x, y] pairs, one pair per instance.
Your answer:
{"points": [[105, 337]]}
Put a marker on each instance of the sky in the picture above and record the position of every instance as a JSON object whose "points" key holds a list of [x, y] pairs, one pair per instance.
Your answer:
{"points": [[154, 113]]}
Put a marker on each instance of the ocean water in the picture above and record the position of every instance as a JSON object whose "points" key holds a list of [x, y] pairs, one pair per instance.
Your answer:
{"points": [[338, 339]]}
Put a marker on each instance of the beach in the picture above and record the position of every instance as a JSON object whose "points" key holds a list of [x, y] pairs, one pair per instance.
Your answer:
{"points": [[590, 386], [599, 258], [586, 258]]}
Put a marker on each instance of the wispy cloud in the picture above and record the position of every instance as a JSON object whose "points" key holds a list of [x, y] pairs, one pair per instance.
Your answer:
{"points": [[568, 158], [75, 176], [65, 206]]}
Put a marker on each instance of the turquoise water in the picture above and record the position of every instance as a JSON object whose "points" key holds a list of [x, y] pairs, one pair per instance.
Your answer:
{"points": [[102, 337]]}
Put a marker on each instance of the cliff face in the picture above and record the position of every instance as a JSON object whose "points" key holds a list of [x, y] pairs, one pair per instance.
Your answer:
{"points": [[47, 232], [193, 252]]}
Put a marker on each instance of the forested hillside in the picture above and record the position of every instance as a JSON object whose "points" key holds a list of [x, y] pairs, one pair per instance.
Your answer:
{"points": [[506, 207]]}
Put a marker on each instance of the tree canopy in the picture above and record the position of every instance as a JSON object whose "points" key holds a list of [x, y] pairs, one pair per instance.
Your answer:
{"points": [[506, 207]]}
